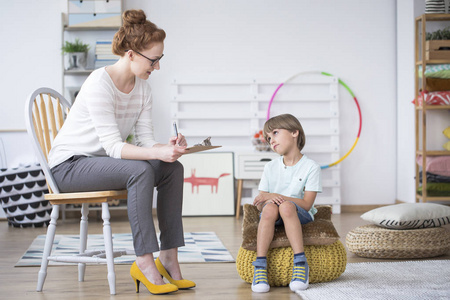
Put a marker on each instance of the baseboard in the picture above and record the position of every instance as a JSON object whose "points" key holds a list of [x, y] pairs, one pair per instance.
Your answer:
{"points": [[364, 208], [358, 208]]}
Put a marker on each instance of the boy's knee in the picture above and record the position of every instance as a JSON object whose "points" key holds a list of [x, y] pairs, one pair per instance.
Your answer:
{"points": [[287, 209], [270, 211]]}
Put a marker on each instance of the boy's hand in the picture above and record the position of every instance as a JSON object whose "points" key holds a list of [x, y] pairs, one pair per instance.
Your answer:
{"points": [[260, 199], [278, 200], [265, 197]]}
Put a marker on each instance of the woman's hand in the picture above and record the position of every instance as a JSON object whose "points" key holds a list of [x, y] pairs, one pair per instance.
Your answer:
{"points": [[171, 152], [179, 140], [174, 149]]}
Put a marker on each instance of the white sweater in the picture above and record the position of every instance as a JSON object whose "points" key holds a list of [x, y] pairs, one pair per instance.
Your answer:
{"points": [[101, 119]]}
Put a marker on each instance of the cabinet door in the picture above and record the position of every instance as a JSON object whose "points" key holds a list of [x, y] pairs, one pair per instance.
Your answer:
{"points": [[251, 166], [95, 13]]}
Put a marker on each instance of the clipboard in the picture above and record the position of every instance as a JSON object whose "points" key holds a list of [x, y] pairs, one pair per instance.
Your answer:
{"points": [[195, 149]]}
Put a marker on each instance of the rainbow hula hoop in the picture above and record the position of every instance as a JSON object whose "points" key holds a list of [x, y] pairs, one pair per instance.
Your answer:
{"points": [[351, 93]]}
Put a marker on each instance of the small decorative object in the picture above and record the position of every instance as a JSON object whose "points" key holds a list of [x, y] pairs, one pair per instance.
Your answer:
{"points": [[75, 55], [206, 142], [435, 6], [259, 142], [437, 45]]}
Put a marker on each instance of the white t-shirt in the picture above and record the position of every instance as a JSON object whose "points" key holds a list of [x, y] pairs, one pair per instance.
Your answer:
{"points": [[292, 181], [101, 119]]}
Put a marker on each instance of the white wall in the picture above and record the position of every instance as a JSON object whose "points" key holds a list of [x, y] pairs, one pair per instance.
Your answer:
{"points": [[353, 39], [405, 94]]}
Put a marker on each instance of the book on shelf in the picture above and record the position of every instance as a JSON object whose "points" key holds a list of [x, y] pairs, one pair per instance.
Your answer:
{"points": [[103, 54]]}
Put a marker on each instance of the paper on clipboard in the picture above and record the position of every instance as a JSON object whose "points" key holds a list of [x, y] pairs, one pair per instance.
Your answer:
{"points": [[195, 149]]}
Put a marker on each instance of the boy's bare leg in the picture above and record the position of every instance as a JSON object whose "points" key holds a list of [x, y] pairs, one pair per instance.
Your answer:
{"points": [[266, 228], [292, 226]]}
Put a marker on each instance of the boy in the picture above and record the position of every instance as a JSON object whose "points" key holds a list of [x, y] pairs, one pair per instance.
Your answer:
{"points": [[288, 189]]}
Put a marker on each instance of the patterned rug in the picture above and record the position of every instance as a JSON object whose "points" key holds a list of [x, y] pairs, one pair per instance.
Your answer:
{"points": [[200, 247], [405, 280]]}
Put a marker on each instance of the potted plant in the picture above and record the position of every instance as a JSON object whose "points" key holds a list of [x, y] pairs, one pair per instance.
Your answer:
{"points": [[75, 54], [437, 45]]}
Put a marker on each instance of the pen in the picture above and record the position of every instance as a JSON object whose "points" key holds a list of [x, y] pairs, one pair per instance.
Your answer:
{"points": [[175, 129]]}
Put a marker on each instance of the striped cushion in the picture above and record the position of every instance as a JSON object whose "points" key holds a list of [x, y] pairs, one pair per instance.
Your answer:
{"points": [[436, 98]]}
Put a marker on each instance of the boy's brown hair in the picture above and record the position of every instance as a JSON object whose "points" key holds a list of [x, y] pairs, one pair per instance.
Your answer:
{"points": [[288, 122]]}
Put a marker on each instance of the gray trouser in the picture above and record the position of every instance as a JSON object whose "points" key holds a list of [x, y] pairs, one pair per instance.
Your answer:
{"points": [[82, 174]]}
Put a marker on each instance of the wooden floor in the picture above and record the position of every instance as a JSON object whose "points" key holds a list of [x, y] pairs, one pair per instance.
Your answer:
{"points": [[214, 281]]}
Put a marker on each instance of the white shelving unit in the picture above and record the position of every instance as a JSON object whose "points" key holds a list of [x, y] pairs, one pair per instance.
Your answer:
{"points": [[231, 111], [98, 15]]}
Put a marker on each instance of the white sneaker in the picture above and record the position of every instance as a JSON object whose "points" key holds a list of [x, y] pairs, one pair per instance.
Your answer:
{"points": [[300, 278], [260, 282]]}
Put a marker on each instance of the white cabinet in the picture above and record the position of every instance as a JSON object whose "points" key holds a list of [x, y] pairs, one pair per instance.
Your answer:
{"points": [[250, 165]]}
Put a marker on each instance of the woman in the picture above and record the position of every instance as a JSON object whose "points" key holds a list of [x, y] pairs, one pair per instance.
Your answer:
{"points": [[90, 154]]}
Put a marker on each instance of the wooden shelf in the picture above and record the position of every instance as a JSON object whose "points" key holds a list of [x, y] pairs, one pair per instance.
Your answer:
{"points": [[433, 17], [432, 198], [433, 62], [433, 153], [85, 28], [77, 72], [433, 107], [421, 113]]}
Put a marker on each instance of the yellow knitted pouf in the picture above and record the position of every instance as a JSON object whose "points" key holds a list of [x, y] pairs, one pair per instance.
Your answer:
{"points": [[326, 263]]}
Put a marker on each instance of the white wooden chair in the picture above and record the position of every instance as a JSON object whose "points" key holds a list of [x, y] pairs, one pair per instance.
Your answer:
{"points": [[45, 113]]}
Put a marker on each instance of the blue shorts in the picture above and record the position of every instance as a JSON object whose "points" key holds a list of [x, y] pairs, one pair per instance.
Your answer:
{"points": [[303, 215]]}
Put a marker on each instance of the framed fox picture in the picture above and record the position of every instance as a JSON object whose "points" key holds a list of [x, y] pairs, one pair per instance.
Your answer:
{"points": [[208, 184]]}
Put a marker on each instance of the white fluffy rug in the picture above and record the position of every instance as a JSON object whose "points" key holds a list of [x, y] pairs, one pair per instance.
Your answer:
{"points": [[406, 280]]}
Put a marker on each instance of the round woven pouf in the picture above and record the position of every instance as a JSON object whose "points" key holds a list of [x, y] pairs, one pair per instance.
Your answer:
{"points": [[378, 242], [325, 263]]}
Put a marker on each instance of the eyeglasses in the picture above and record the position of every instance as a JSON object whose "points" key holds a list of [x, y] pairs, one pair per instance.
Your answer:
{"points": [[153, 61]]}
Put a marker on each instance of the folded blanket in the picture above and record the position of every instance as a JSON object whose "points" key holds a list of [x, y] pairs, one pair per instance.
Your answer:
{"points": [[436, 71], [436, 189], [434, 178], [435, 98]]}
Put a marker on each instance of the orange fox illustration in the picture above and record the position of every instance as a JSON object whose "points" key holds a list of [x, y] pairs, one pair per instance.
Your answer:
{"points": [[198, 181]]}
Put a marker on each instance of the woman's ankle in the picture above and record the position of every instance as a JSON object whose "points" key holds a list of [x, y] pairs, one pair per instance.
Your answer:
{"points": [[147, 266]]}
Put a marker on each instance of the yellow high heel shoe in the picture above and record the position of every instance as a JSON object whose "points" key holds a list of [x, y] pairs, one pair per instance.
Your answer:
{"points": [[138, 277], [182, 284]]}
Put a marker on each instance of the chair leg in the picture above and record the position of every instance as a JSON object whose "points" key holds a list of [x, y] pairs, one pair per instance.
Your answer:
{"points": [[107, 235], [83, 238], [238, 198], [50, 237]]}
